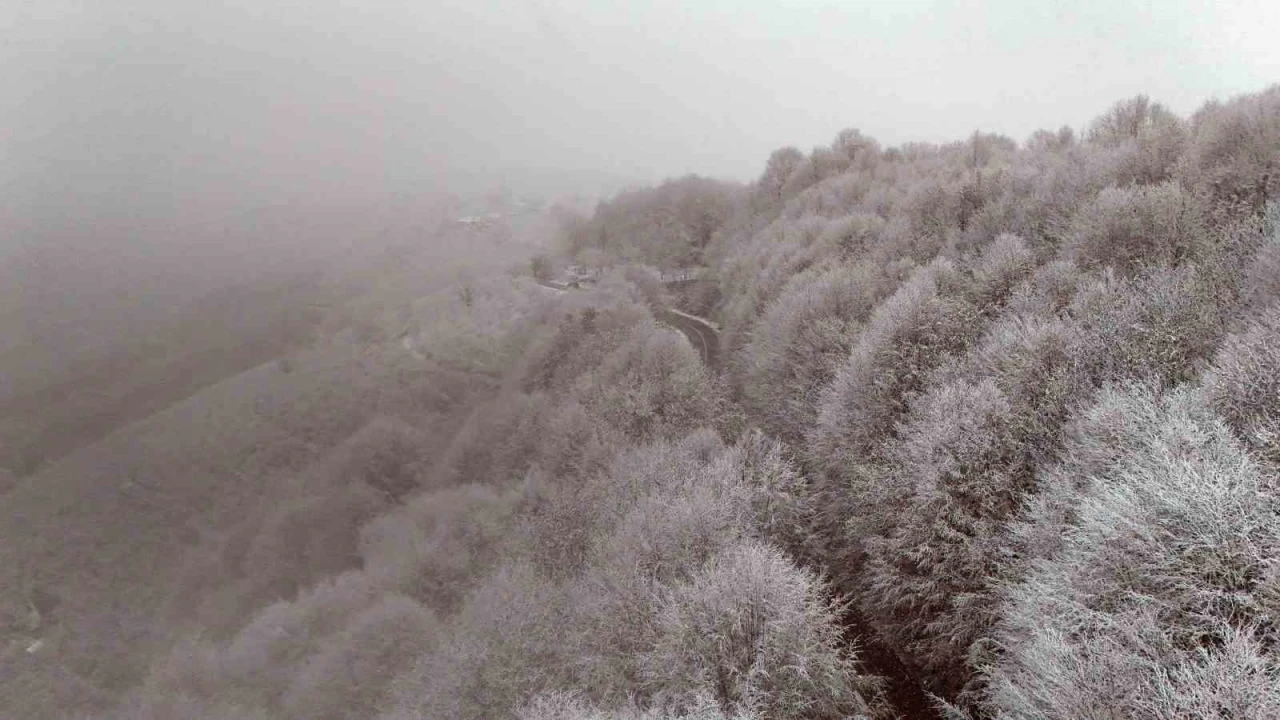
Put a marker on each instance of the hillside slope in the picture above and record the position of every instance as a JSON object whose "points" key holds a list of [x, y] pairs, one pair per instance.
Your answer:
{"points": [[991, 433]]}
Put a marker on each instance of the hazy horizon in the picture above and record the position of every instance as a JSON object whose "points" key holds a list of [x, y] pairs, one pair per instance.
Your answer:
{"points": [[126, 124], [168, 104], [593, 360]]}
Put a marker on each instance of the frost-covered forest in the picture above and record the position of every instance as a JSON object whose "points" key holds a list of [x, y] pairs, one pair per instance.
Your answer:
{"points": [[992, 430]]}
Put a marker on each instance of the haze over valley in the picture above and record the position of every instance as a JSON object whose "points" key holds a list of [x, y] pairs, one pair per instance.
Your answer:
{"points": [[572, 361]]}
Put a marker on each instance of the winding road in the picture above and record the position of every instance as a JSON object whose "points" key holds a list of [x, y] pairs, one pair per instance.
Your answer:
{"points": [[701, 333]]}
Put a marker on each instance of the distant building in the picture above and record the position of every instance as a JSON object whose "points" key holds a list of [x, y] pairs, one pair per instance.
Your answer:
{"points": [[680, 274], [580, 276], [576, 276]]}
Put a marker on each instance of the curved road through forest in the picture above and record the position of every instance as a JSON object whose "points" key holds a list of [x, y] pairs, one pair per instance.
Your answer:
{"points": [[701, 334]]}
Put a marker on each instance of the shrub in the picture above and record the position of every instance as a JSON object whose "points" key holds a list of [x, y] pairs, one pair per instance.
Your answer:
{"points": [[908, 336], [1261, 286], [1164, 325], [1096, 437], [310, 539], [1132, 228], [1243, 385], [572, 706], [1235, 150], [439, 545], [757, 634], [957, 467], [666, 512], [182, 707], [854, 234], [664, 538], [1150, 138], [494, 444], [652, 385], [1164, 583], [780, 499], [995, 270], [256, 666], [934, 316], [505, 645], [1048, 291], [965, 458], [801, 338], [265, 652], [1239, 680], [347, 677], [577, 513], [386, 455], [754, 275]]}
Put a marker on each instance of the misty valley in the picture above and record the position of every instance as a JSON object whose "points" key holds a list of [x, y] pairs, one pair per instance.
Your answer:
{"points": [[357, 368]]}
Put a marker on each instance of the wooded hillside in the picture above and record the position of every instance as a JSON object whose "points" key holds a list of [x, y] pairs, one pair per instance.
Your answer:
{"points": [[993, 432]]}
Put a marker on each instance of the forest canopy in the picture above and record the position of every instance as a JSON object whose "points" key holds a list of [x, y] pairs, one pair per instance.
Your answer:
{"points": [[993, 431]]}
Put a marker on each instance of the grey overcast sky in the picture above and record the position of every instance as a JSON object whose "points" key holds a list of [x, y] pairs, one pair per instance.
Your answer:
{"points": [[135, 103]]}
